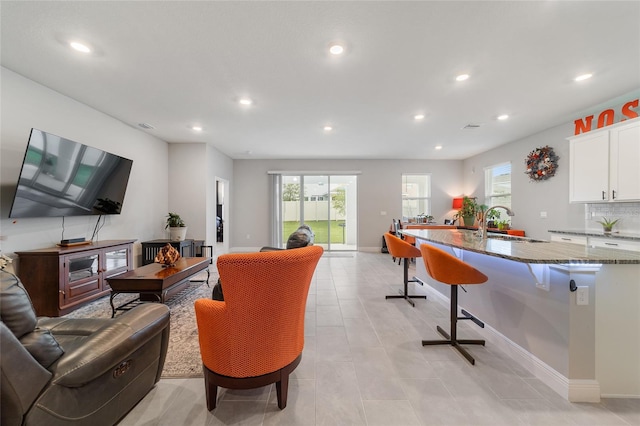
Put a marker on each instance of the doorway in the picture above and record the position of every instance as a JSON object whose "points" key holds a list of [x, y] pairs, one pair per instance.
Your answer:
{"points": [[222, 217], [326, 203]]}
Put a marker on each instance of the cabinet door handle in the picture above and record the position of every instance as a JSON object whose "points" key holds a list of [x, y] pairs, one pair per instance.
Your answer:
{"points": [[611, 244], [613, 194], [566, 239], [604, 193]]}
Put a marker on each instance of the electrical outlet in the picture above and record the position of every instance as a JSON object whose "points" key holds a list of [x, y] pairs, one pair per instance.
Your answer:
{"points": [[383, 213], [582, 296], [248, 236], [543, 215]]}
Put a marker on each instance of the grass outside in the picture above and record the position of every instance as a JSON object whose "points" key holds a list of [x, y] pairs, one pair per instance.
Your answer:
{"points": [[320, 229]]}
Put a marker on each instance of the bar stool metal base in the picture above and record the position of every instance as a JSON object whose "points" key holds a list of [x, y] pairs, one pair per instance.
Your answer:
{"points": [[451, 338], [405, 295]]}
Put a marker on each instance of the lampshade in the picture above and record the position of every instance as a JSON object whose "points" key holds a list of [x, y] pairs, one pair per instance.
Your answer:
{"points": [[457, 203]]}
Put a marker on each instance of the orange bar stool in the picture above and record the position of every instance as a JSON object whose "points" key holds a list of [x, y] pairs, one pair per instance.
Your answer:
{"points": [[400, 249], [448, 269]]}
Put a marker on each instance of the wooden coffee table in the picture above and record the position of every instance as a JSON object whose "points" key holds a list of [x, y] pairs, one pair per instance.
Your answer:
{"points": [[155, 282]]}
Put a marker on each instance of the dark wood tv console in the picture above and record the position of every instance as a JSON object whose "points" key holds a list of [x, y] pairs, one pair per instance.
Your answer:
{"points": [[62, 279]]}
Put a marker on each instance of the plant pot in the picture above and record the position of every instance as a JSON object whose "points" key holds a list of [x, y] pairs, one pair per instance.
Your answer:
{"points": [[177, 234], [469, 220]]}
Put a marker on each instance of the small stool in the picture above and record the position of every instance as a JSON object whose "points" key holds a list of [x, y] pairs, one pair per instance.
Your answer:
{"points": [[400, 249], [448, 269]]}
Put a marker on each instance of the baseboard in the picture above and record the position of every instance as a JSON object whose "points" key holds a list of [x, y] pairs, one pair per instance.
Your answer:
{"points": [[571, 390], [584, 391], [615, 395]]}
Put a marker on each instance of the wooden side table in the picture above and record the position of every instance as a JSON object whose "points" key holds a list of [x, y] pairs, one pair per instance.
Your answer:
{"points": [[151, 248]]}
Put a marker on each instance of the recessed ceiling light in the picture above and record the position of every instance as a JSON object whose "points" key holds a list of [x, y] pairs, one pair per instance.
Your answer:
{"points": [[336, 49], [80, 47], [418, 117], [438, 147], [327, 128], [197, 128], [245, 101], [462, 77], [583, 77], [503, 117]]}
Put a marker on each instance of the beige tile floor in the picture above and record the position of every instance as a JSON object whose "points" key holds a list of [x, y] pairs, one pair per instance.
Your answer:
{"points": [[363, 364]]}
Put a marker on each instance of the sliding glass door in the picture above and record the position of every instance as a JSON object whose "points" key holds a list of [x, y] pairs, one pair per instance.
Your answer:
{"points": [[326, 203]]}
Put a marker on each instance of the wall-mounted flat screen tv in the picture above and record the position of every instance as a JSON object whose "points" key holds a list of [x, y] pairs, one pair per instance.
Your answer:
{"points": [[60, 177]]}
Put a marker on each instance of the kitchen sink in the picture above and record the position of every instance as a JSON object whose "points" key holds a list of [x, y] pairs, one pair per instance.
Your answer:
{"points": [[514, 239]]}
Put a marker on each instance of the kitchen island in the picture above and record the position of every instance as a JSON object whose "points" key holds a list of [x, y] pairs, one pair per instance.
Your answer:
{"points": [[583, 351]]}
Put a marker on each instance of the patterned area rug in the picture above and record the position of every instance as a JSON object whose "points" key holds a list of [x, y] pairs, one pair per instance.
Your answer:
{"points": [[183, 355]]}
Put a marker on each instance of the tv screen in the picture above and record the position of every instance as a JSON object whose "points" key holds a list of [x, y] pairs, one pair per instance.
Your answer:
{"points": [[60, 177]]}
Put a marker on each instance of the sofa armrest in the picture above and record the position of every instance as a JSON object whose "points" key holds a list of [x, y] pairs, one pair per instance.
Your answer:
{"points": [[22, 378], [110, 345]]}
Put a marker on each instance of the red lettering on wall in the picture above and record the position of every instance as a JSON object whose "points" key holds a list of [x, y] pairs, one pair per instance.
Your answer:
{"points": [[583, 125], [606, 117], [628, 112]]}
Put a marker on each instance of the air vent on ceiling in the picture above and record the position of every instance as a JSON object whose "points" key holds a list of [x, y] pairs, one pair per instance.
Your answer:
{"points": [[146, 126], [471, 126]]}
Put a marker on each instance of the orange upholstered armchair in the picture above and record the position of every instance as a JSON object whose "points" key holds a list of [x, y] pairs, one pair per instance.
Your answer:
{"points": [[256, 336]]}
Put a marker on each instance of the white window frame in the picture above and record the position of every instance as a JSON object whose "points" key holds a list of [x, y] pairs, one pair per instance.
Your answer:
{"points": [[490, 184], [407, 197]]}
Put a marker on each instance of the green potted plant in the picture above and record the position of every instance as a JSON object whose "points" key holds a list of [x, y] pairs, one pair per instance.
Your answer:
{"points": [[607, 225], [177, 227], [468, 211], [502, 225]]}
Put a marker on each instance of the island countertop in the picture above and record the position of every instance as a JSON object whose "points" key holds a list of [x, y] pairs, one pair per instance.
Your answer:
{"points": [[524, 249]]}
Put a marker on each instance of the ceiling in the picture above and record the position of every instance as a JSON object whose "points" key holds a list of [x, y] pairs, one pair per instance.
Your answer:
{"points": [[176, 64]]}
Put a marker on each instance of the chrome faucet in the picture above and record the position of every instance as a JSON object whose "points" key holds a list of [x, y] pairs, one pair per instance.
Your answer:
{"points": [[483, 220]]}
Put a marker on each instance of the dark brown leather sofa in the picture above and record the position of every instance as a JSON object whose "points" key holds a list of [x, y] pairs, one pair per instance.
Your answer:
{"points": [[61, 371]]}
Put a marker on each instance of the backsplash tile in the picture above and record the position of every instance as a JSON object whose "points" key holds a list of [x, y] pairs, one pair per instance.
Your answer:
{"points": [[628, 213]]}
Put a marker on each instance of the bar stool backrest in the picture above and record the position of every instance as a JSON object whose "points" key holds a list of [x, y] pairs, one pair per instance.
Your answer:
{"points": [[448, 269], [399, 248]]}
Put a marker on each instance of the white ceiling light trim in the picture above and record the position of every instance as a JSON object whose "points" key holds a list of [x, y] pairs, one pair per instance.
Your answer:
{"points": [[336, 48], [80, 47], [462, 77], [418, 117], [583, 77], [503, 117], [246, 101]]}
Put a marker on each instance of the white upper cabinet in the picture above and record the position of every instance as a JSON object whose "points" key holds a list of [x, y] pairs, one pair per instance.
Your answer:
{"points": [[605, 164], [625, 154]]}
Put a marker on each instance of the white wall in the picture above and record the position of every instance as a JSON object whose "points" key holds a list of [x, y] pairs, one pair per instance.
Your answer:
{"points": [[26, 104], [379, 190], [194, 168], [187, 186], [529, 198]]}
